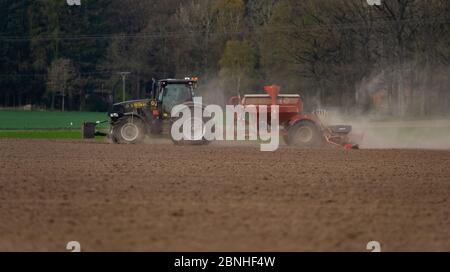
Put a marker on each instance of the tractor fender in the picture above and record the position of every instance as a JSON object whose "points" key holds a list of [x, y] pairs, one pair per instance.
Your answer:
{"points": [[134, 115]]}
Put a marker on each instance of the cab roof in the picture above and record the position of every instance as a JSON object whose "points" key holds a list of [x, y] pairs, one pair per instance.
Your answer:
{"points": [[175, 80]]}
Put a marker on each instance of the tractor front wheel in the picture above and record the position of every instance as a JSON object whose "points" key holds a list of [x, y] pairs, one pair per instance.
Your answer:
{"points": [[304, 134], [129, 130]]}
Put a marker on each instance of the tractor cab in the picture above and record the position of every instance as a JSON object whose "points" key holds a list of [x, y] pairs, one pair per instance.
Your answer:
{"points": [[171, 92], [165, 94]]}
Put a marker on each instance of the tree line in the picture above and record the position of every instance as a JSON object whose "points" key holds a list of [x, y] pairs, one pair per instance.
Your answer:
{"points": [[393, 58]]}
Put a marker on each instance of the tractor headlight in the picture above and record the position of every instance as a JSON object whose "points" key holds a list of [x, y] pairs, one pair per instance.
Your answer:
{"points": [[114, 115]]}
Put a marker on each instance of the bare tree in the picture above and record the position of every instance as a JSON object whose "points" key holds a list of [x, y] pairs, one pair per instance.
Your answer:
{"points": [[60, 74], [197, 19]]}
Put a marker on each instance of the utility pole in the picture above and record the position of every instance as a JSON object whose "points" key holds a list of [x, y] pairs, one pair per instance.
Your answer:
{"points": [[63, 96], [64, 91], [124, 77]]}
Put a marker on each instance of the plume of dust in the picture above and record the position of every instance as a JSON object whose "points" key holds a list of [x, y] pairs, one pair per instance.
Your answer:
{"points": [[408, 131], [211, 92], [414, 134]]}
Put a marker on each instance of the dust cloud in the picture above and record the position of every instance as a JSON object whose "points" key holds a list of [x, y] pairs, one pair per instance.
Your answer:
{"points": [[395, 134]]}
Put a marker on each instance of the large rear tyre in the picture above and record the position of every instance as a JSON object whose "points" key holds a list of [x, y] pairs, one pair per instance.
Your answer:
{"points": [[195, 130], [128, 130], [194, 136], [304, 134]]}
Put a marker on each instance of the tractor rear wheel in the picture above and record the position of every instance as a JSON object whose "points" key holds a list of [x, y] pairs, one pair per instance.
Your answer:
{"points": [[129, 130], [194, 136], [196, 129], [304, 134]]}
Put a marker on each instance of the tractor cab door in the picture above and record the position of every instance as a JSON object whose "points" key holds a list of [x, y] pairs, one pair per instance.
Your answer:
{"points": [[171, 95]]}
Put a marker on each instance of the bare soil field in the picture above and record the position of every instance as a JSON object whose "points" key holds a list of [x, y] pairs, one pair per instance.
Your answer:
{"points": [[221, 197]]}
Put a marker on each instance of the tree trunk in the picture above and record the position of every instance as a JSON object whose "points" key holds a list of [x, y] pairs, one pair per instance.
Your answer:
{"points": [[238, 87], [63, 98], [138, 86], [53, 101], [82, 100]]}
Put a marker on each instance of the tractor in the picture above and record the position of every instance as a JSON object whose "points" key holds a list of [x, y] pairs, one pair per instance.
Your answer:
{"points": [[131, 121], [297, 127]]}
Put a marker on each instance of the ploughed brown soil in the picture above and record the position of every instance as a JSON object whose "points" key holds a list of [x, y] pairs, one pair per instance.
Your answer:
{"points": [[221, 197]]}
